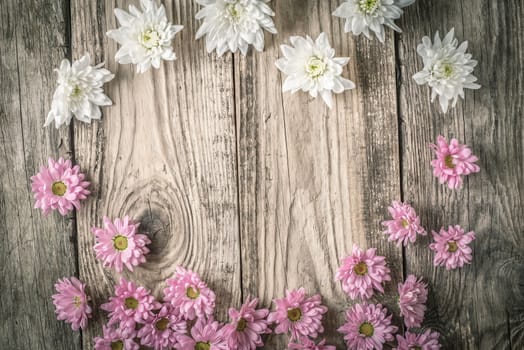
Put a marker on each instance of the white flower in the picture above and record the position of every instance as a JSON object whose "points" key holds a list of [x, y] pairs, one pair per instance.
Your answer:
{"points": [[312, 66], [447, 68], [79, 92], [365, 15], [145, 36], [234, 24]]}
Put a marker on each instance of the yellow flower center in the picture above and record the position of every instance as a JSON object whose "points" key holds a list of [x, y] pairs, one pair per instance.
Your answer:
{"points": [[361, 268], [202, 346], [162, 324], [131, 303], [368, 6], [192, 293], [366, 329], [117, 345], [77, 301], [448, 70], [405, 223], [316, 67], [120, 242], [452, 246], [234, 11], [58, 188], [241, 325], [294, 314], [150, 38], [448, 161], [76, 91]]}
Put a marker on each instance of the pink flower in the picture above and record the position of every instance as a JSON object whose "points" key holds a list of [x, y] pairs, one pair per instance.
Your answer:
{"points": [[118, 244], [163, 329], [187, 292], [59, 186], [298, 314], [205, 335], [425, 341], [452, 247], [453, 161], [367, 327], [405, 224], [247, 324], [413, 296], [307, 344], [362, 272], [71, 302], [114, 339], [130, 305]]}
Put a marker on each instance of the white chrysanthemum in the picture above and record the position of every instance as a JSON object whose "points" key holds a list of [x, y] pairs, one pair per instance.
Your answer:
{"points": [[79, 92], [447, 68], [312, 66], [365, 15], [145, 36], [234, 24]]}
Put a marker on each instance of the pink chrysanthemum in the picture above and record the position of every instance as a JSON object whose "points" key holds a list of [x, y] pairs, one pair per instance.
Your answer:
{"points": [[71, 302], [367, 327], [114, 339], [163, 329], [298, 314], [425, 341], [451, 247], [187, 292], [307, 344], [205, 335], [363, 272], [131, 304], [59, 186], [405, 224], [247, 324], [119, 244], [454, 160], [413, 296]]}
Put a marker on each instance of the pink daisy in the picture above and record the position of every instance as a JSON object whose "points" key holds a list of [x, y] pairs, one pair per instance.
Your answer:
{"points": [[161, 331], [453, 161], [425, 341], [113, 339], [298, 314], [247, 324], [307, 344], [405, 224], [367, 327], [59, 186], [119, 244], [71, 302], [130, 305], [413, 296], [451, 247], [187, 292], [205, 335], [362, 272]]}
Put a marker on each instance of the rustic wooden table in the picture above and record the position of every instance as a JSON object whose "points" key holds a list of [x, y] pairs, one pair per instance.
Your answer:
{"points": [[257, 190]]}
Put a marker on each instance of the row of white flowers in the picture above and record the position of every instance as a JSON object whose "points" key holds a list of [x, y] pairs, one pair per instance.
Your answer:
{"points": [[145, 37]]}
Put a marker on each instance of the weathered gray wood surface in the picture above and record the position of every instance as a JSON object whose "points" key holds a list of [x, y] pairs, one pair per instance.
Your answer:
{"points": [[257, 190]]}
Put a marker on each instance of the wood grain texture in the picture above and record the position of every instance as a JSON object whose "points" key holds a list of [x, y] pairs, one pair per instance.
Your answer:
{"points": [[313, 180], [165, 155], [479, 306], [34, 251]]}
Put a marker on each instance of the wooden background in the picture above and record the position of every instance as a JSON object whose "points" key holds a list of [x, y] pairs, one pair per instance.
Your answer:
{"points": [[257, 190]]}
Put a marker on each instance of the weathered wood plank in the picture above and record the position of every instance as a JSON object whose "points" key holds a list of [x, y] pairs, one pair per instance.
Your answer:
{"points": [[164, 154], [313, 181], [34, 251], [478, 307]]}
